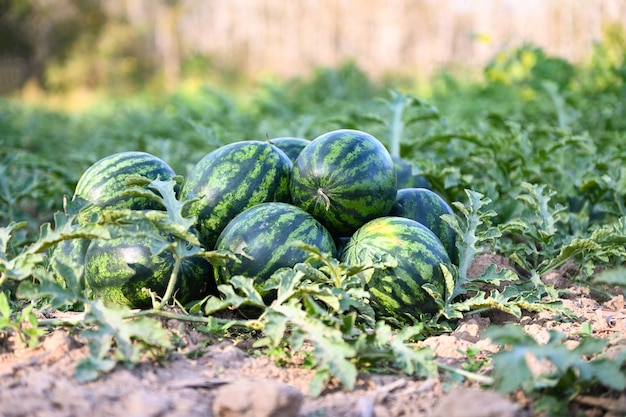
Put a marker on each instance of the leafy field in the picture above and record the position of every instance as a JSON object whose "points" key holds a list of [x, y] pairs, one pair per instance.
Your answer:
{"points": [[531, 158]]}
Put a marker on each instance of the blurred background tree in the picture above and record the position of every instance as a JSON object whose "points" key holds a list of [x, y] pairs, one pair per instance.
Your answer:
{"points": [[125, 46], [35, 35]]}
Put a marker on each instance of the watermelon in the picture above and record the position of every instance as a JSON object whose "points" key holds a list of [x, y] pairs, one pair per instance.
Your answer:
{"points": [[290, 145], [116, 270], [263, 238], [344, 178], [413, 255], [104, 182], [231, 179], [427, 207], [409, 174]]}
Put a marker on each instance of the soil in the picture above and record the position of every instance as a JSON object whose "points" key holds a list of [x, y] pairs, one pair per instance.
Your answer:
{"points": [[226, 378]]}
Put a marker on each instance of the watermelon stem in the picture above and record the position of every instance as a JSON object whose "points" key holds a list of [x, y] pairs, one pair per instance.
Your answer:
{"points": [[171, 285], [252, 324], [322, 194]]}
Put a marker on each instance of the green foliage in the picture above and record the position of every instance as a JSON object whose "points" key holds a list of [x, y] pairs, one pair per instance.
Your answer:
{"points": [[404, 110], [22, 322], [327, 309], [503, 290], [571, 370], [114, 335], [118, 338], [530, 158]]}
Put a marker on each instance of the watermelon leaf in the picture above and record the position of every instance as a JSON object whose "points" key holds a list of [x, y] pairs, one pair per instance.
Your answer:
{"points": [[404, 110], [119, 332], [333, 355], [474, 232], [615, 276], [512, 371]]}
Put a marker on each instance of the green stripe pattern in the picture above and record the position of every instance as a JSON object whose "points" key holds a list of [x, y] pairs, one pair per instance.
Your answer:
{"points": [[427, 207], [344, 178], [103, 183], [263, 238], [116, 270], [231, 179], [292, 146], [408, 255]]}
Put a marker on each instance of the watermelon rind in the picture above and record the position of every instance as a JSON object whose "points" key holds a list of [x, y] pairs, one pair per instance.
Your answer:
{"points": [[344, 178], [231, 179], [264, 239], [291, 146], [426, 207], [407, 255], [103, 184]]}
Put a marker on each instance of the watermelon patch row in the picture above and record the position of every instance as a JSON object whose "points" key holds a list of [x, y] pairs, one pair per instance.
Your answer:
{"points": [[341, 192]]}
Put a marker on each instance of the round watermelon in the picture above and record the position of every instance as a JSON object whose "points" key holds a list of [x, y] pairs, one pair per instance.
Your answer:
{"points": [[231, 179], [263, 238], [116, 270], [344, 178], [427, 207], [409, 174], [103, 183], [292, 146], [413, 255]]}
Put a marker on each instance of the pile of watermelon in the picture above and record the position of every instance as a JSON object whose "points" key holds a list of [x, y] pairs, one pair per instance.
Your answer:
{"points": [[341, 192]]}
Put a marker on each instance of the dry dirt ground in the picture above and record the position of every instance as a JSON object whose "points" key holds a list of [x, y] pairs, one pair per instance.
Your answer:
{"points": [[227, 381]]}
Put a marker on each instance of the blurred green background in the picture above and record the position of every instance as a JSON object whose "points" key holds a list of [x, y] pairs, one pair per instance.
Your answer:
{"points": [[69, 53], [490, 94]]}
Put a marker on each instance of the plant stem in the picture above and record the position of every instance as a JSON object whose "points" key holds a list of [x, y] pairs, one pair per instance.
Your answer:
{"points": [[469, 375], [248, 324], [397, 124], [253, 324], [171, 285]]}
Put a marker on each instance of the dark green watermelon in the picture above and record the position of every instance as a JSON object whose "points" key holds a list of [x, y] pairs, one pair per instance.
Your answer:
{"points": [[104, 182], [290, 145], [396, 291], [409, 174], [116, 270], [263, 238], [231, 179], [427, 207], [344, 178]]}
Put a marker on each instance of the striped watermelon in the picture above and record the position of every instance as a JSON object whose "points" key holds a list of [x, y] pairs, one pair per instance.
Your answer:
{"points": [[104, 182], [116, 270], [414, 254], [344, 178], [409, 174], [263, 238], [427, 207], [231, 179], [290, 145]]}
